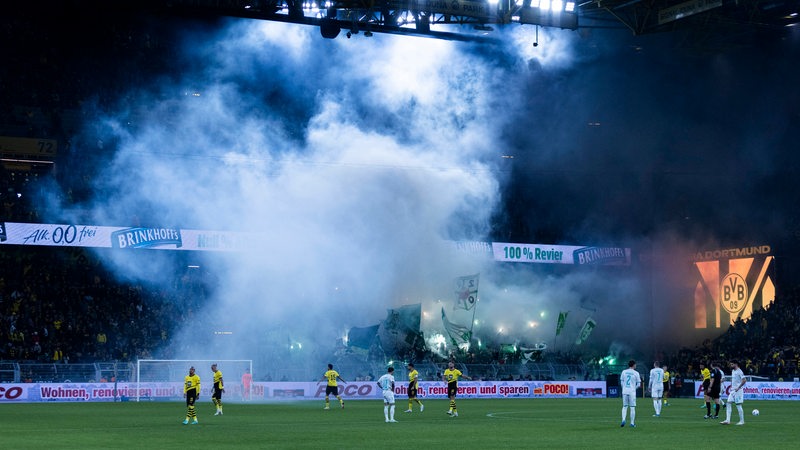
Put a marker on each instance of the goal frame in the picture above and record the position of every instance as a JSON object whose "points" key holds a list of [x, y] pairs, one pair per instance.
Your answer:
{"points": [[249, 363]]}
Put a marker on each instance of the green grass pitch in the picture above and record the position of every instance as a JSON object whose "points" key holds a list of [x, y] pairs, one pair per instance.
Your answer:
{"points": [[482, 424]]}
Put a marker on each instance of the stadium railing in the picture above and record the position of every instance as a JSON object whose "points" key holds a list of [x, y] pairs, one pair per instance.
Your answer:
{"points": [[18, 372]]}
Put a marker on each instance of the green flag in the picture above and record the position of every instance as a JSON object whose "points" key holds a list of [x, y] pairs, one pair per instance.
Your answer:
{"points": [[458, 334], [588, 326], [562, 319], [362, 336]]}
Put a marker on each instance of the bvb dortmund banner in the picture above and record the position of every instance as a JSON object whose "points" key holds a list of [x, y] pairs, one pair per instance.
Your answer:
{"points": [[731, 284]]}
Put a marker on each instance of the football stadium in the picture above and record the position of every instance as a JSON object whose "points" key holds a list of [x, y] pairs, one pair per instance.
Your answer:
{"points": [[482, 224]]}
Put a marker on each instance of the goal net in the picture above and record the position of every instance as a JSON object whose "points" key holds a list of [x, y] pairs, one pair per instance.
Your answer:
{"points": [[174, 370]]}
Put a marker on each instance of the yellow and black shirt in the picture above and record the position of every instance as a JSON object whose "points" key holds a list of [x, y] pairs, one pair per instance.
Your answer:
{"points": [[191, 384], [331, 376], [218, 380], [412, 379], [452, 375]]}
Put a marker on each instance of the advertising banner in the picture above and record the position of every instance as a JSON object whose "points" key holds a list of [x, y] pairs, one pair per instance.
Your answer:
{"points": [[759, 390], [174, 238], [276, 391], [161, 238], [361, 390], [561, 254]]}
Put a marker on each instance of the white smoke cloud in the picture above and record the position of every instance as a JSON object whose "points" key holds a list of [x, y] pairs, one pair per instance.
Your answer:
{"points": [[354, 160], [352, 213]]}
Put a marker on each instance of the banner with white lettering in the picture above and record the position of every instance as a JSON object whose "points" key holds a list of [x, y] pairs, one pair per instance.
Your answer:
{"points": [[759, 390], [561, 254], [173, 238], [360, 390], [162, 238], [277, 391]]}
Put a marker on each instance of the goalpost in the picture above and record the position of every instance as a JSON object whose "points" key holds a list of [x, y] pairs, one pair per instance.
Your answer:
{"points": [[174, 370]]}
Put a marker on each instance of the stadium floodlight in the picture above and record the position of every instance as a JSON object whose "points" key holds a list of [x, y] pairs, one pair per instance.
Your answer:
{"points": [[557, 5], [544, 17], [535, 3], [570, 7]]}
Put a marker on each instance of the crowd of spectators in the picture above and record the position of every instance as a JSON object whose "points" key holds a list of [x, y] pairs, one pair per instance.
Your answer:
{"points": [[766, 345], [58, 59], [63, 306], [59, 306], [61, 69]]}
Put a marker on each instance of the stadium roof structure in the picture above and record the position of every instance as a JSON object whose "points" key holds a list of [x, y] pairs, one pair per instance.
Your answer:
{"points": [[475, 20], [724, 22]]}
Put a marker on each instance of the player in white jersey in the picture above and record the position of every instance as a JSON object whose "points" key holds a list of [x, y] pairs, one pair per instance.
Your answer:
{"points": [[630, 380], [656, 387], [737, 393], [386, 383]]}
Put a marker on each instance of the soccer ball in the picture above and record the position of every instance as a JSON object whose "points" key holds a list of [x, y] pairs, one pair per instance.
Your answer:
{"points": [[756, 412]]}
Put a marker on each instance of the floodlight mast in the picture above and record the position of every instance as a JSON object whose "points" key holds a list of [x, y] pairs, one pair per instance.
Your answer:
{"points": [[456, 20]]}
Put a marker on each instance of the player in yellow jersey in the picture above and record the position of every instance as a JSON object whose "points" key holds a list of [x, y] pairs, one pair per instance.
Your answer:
{"points": [[218, 389], [332, 388], [451, 376], [191, 390], [666, 385], [705, 373], [413, 376]]}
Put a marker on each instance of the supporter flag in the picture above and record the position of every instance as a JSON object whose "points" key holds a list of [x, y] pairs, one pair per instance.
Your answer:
{"points": [[588, 326], [508, 348], [458, 334], [532, 353], [562, 320], [362, 337], [398, 332], [405, 318], [466, 291]]}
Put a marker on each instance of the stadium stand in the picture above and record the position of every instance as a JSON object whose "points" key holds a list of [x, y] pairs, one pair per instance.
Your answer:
{"points": [[63, 317]]}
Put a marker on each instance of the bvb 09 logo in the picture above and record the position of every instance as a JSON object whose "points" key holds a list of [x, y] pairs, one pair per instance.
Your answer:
{"points": [[733, 293]]}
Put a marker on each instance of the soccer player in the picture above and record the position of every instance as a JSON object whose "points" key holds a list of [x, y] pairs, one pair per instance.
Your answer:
{"points": [[386, 383], [666, 385], [413, 376], [715, 388], [706, 374], [451, 376], [332, 388], [218, 389], [247, 380], [656, 387], [191, 390], [630, 381], [737, 393]]}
